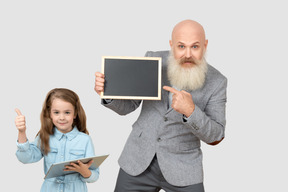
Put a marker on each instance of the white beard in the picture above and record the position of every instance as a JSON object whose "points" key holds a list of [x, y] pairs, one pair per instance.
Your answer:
{"points": [[186, 78]]}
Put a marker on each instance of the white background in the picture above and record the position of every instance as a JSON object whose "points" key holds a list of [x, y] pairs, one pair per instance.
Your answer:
{"points": [[48, 44]]}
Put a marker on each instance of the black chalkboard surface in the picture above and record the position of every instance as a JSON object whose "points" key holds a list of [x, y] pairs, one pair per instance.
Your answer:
{"points": [[132, 78]]}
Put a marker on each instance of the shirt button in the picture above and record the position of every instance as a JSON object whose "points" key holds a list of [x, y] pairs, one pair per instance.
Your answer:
{"points": [[159, 139], [165, 119]]}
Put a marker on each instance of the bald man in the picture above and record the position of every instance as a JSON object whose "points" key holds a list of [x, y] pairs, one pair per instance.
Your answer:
{"points": [[163, 150]]}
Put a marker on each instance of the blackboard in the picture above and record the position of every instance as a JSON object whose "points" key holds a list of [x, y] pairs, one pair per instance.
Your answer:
{"points": [[132, 78]]}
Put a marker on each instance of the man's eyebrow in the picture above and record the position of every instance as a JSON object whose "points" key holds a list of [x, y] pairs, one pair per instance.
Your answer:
{"points": [[180, 42]]}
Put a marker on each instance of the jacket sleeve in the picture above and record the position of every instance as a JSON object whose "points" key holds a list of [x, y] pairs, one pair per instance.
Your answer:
{"points": [[209, 125], [29, 152], [122, 107]]}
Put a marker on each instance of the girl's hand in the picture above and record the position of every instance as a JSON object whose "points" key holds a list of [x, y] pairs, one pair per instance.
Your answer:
{"points": [[20, 121], [82, 168]]}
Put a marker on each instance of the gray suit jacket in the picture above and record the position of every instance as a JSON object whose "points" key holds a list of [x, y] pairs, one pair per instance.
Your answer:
{"points": [[161, 130]]}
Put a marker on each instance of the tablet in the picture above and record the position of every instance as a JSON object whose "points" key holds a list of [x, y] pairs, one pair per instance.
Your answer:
{"points": [[57, 169]]}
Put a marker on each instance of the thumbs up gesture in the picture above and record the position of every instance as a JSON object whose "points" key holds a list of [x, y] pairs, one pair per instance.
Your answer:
{"points": [[20, 121]]}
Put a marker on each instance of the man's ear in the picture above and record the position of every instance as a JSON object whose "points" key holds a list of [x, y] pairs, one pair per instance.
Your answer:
{"points": [[206, 43], [170, 42]]}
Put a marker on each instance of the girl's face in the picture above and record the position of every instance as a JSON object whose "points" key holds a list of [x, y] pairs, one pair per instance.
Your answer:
{"points": [[62, 115]]}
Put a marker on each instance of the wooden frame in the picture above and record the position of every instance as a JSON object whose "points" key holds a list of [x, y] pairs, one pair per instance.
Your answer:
{"points": [[132, 77]]}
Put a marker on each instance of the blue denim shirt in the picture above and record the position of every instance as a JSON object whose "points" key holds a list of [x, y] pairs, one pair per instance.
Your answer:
{"points": [[64, 147]]}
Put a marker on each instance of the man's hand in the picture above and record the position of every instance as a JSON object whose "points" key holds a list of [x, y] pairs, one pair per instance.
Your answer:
{"points": [[80, 167], [99, 82], [182, 101]]}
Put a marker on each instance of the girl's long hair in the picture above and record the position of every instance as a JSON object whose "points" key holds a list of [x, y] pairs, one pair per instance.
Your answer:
{"points": [[47, 127]]}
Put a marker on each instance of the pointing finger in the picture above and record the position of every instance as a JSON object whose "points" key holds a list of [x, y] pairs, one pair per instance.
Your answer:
{"points": [[18, 112], [170, 89]]}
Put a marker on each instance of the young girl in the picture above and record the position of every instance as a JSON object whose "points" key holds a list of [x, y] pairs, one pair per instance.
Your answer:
{"points": [[63, 136]]}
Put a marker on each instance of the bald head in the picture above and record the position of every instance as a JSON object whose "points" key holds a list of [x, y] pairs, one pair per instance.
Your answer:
{"points": [[188, 40], [188, 27]]}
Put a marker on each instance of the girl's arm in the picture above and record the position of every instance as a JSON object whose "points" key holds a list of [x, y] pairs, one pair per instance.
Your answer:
{"points": [[86, 173], [83, 169], [29, 152], [94, 172], [21, 126], [26, 153]]}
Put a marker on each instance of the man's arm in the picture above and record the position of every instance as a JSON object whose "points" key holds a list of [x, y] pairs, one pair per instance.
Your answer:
{"points": [[215, 142], [208, 125], [120, 106]]}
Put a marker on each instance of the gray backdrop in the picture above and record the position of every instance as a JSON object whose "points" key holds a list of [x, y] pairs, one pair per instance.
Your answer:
{"points": [[48, 44]]}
